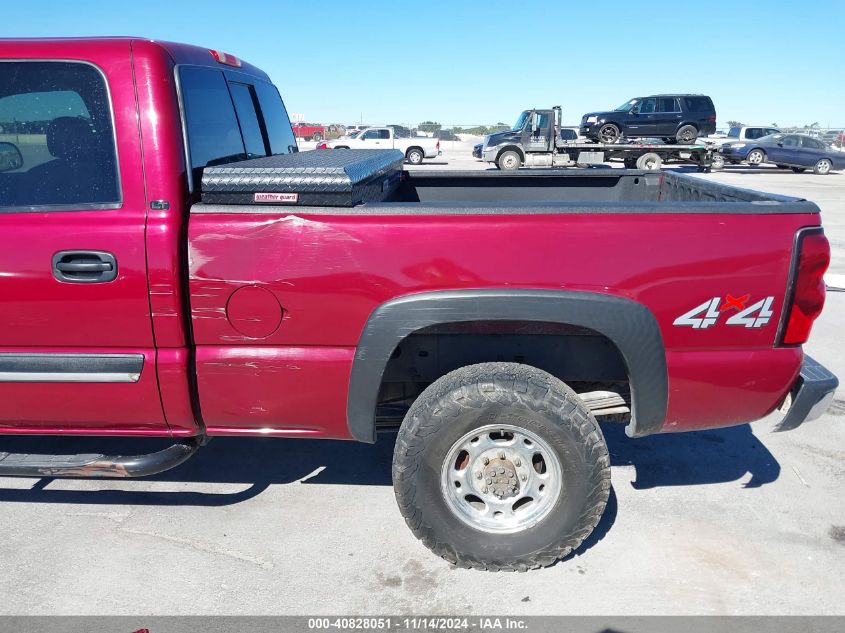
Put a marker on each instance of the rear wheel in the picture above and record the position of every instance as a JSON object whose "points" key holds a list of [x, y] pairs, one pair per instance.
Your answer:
{"points": [[500, 466], [609, 133], [799, 170], [649, 160], [686, 134], [414, 156], [823, 166], [756, 157], [509, 160]]}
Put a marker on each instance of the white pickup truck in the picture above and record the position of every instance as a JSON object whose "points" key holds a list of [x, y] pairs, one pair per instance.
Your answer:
{"points": [[740, 134], [415, 148]]}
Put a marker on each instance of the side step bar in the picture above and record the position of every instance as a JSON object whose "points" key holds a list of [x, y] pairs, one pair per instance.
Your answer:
{"points": [[91, 465]]}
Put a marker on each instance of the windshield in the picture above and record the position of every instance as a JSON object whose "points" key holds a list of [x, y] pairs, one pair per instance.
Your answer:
{"points": [[733, 132], [520, 122], [627, 105]]}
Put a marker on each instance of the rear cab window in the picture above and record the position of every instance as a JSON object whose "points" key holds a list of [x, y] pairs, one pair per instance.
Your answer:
{"points": [[230, 117], [57, 146]]}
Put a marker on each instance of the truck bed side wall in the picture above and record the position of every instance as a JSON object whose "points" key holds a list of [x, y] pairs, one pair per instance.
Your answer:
{"points": [[329, 272]]}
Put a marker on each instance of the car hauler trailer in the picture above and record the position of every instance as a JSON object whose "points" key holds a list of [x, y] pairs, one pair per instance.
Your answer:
{"points": [[535, 141]]}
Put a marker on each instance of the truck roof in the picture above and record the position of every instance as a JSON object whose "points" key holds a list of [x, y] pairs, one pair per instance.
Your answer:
{"points": [[82, 47]]}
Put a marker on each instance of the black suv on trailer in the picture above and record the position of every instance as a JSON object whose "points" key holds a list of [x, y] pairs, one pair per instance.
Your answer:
{"points": [[674, 118]]}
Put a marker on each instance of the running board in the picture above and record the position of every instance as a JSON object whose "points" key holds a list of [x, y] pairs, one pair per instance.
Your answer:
{"points": [[92, 465], [604, 402]]}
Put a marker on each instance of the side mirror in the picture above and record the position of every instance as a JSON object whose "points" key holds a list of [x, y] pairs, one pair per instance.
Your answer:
{"points": [[10, 157], [780, 144], [635, 110]]}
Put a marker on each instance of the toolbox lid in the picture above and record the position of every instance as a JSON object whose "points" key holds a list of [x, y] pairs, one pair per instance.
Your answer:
{"points": [[343, 177]]}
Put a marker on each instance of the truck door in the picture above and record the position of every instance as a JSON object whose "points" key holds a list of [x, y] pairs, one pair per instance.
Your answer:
{"points": [[641, 120], [76, 346], [667, 117], [376, 138], [537, 133]]}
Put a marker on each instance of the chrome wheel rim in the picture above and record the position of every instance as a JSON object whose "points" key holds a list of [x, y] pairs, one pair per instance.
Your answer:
{"points": [[501, 478], [823, 166], [510, 161], [415, 158], [755, 157]]}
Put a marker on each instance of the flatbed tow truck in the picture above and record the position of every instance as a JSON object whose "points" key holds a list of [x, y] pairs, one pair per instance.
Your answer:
{"points": [[535, 141]]}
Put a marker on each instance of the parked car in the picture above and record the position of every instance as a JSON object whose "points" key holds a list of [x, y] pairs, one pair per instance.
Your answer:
{"points": [[798, 151], [415, 148], [470, 312], [476, 150], [740, 134], [679, 118], [309, 131]]}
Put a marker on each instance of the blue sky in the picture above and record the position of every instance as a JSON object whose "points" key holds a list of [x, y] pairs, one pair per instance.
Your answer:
{"points": [[464, 62]]}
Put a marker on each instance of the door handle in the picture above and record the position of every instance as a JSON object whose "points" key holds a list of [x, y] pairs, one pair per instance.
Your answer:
{"points": [[84, 266]]}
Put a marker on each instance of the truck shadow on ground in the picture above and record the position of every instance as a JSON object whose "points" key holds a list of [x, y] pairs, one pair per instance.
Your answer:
{"points": [[684, 459]]}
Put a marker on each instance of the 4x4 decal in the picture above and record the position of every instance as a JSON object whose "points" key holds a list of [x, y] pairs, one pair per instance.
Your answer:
{"points": [[708, 313]]}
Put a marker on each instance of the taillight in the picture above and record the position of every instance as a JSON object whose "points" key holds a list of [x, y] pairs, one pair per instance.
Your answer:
{"points": [[712, 118], [322, 146], [807, 288], [438, 145], [225, 58]]}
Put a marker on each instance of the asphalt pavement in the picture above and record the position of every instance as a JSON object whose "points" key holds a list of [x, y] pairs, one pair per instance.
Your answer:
{"points": [[731, 521]]}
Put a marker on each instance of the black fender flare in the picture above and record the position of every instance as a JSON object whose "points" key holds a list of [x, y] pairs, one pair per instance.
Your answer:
{"points": [[628, 324]]}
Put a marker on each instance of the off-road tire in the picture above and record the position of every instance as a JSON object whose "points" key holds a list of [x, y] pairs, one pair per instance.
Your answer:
{"points": [[686, 134], [523, 396], [414, 156]]}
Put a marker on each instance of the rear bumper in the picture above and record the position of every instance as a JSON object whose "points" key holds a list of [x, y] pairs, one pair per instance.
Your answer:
{"points": [[810, 396]]}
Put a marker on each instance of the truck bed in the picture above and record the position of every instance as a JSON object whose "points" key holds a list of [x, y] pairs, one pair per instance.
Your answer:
{"points": [[665, 241], [543, 191]]}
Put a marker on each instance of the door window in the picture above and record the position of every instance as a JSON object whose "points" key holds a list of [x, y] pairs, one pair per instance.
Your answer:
{"points": [[648, 106], [790, 141], [370, 134], [811, 143], [668, 105], [56, 126]]}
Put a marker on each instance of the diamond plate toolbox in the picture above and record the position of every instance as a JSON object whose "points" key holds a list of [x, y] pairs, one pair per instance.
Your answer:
{"points": [[335, 178]]}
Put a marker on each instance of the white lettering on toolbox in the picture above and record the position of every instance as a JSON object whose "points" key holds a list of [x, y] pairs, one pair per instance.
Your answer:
{"points": [[707, 314], [276, 197]]}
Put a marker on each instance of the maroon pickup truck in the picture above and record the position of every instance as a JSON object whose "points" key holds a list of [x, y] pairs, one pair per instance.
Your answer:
{"points": [[172, 266]]}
